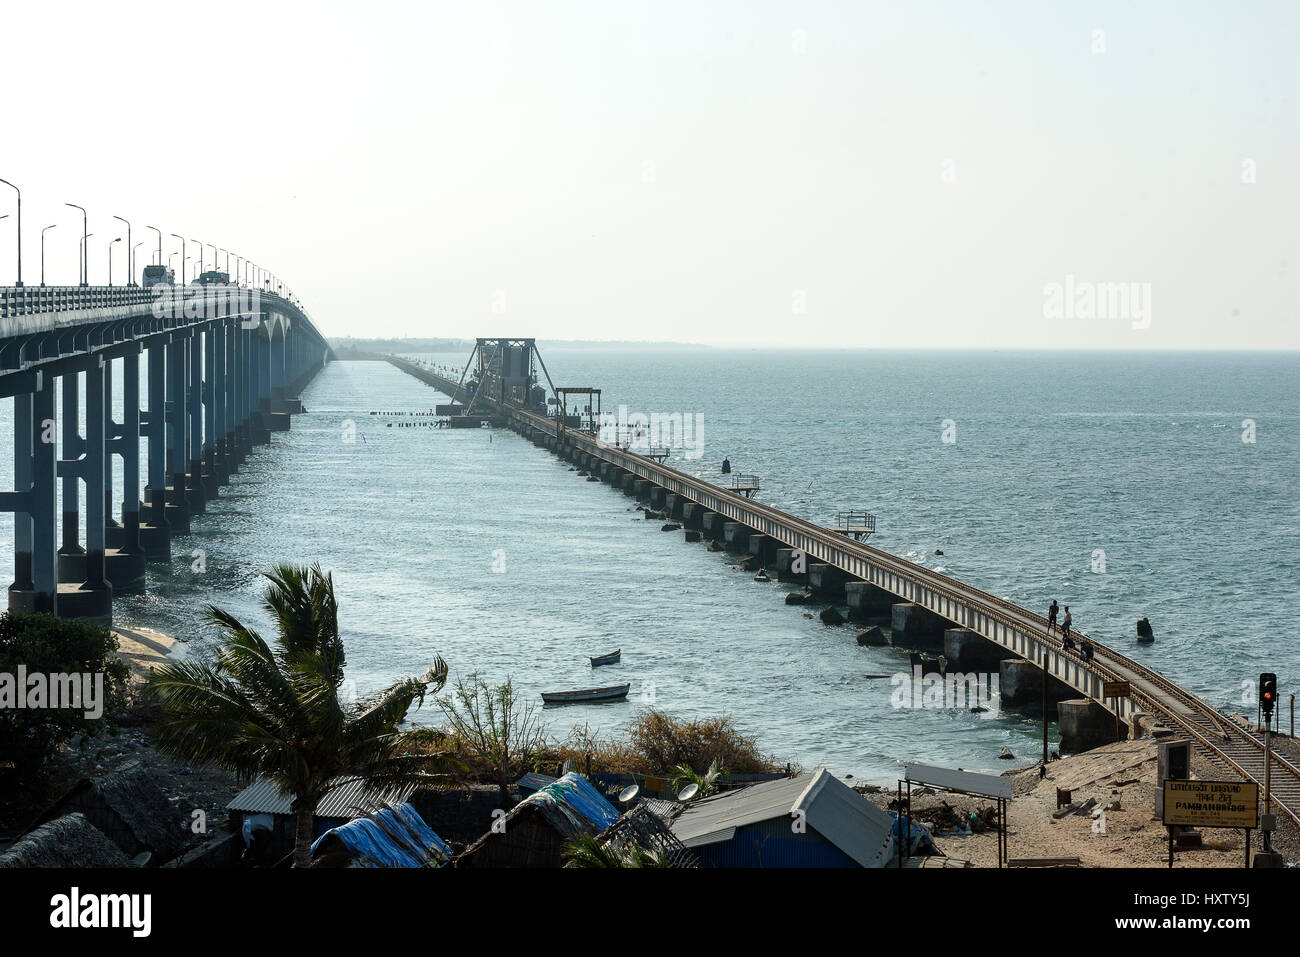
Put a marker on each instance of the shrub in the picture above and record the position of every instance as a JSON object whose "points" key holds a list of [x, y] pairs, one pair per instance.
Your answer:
{"points": [[44, 644]]}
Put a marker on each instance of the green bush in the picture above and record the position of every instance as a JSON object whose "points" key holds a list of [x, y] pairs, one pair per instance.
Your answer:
{"points": [[44, 644]]}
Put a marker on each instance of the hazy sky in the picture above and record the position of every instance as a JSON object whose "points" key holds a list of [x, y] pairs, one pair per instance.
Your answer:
{"points": [[810, 173]]}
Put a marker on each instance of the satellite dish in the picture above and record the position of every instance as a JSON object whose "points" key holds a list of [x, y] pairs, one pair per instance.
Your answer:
{"points": [[688, 792], [629, 793]]}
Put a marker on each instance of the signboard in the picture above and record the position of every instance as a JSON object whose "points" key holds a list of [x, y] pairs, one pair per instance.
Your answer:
{"points": [[1114, 689], [1211, 803]]}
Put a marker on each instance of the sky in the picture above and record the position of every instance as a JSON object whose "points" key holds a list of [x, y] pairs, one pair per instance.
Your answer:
{"points": [[932, 174]]}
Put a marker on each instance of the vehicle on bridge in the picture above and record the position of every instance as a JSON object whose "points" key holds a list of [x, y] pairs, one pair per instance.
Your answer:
{"points": [[212, 278], [157, 276]]}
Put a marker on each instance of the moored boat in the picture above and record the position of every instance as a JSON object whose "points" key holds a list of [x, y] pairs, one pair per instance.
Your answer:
{"points": [[612, 693], [612, 658]]}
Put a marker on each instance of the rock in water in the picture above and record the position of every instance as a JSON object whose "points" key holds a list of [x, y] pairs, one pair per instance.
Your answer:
{"points": [[832, 616], [670, 527], [875, 635], [1006, 755], [796, 598]]}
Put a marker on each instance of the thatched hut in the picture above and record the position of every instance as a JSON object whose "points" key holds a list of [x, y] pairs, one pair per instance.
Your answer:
{"points": [[535, 831], [131, 810], [68, 841]]}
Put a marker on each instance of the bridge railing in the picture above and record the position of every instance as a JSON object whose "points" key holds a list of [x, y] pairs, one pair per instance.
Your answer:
{"points": [[19, 301]]}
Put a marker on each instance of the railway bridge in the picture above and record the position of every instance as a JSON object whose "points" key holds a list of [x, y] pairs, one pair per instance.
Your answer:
{"points": [[914, 595], [222, 369]]}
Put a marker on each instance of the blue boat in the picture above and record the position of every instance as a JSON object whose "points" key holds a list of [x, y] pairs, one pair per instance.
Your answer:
{"points": [[613, 658]]}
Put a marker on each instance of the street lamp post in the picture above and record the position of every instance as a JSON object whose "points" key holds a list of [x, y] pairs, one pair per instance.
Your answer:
{"points": [[110, 259], [20, 227], [85, 234], [84, 257], [129, 247], [135, 260], [182, 239], [43, 231], [159, 232], [201, 245]]}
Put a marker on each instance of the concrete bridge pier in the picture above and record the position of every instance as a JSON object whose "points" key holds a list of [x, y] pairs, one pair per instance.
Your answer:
{"points": [[673, 505], [867, 602], [124, 560], [178, 506], [693, 515], [1084, 724], [36, 548], [915, 626], [195, 491], [735, 536], [827, 581], [72, 557], [967, 650], [657, 496], [214, 473], [762, 547], [92, 598], [156, 541], [1020, 684], [785, 566], [711, 524]]}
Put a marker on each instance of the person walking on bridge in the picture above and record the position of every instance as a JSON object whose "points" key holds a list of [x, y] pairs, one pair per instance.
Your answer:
{"points": [[1051, 616], [1065, 622]]}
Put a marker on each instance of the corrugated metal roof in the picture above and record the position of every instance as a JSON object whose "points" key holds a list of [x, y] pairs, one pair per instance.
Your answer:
{"points": [[833, 809], [351, 799], [986, 785], [534, 781]]}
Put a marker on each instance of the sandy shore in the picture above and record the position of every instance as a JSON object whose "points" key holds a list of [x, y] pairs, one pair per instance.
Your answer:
{"points": [[145, 649], [1122, 779]]}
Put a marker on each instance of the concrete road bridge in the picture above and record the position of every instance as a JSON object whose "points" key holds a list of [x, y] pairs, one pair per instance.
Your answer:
{"points": [[224, 366]]}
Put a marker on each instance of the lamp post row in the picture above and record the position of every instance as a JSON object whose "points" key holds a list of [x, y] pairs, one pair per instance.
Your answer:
{"points": [[260, 276]]}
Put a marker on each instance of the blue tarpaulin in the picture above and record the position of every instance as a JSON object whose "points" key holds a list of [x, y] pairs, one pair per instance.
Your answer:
{"points": [[391, 837], [579, 793]]}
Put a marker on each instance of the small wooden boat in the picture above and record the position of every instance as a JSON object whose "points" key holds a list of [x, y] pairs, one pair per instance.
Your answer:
{"points": [[612, 658], [613, 693]]}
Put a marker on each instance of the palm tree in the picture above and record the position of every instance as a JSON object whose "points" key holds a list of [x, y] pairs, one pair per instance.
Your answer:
{"points": [[587, 852], [275, 709], [684, 774]]}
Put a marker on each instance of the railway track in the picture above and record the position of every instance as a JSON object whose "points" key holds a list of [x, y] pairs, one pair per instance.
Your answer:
{"points": [[1235, 748]]}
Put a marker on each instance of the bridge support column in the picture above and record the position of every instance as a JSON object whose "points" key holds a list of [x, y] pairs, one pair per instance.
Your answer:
{"points": [[23, 472], [35, 463], [1020, 684], [110, 446], [711, 523], [214, 355], [157, 540], [124, 560], [868, 602], [260, 398], [915, 626], [236, 396], [72, 557], [827, 580], [178, 512], [1084, 725], [968, 651], [736, 536], [92, 599], [785, 566], [198, 499]]}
